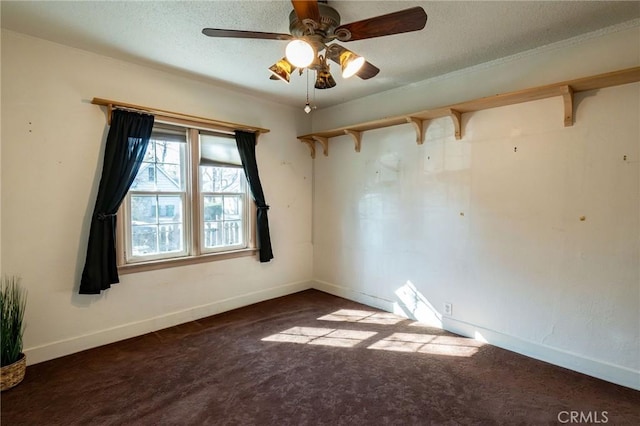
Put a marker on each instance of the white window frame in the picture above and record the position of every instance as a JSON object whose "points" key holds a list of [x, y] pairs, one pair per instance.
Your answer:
{"points": [[193, 218]]}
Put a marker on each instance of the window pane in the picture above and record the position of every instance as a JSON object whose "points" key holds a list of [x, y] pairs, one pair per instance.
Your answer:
{"points": [[213, 234], [146, 178], [150, 155], [169, 209], [213, 208], [223, 221], [156, 224], [206, 178], [221, 234], [170, 238], [232, 180], [233, 233], [161, 169], [222, 179], [169, 177], [144, 209], [144, 240], [168, 152], [156, 239], [233, 207]]}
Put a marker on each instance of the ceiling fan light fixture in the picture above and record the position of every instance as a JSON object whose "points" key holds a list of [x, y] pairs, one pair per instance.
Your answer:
{"points": [[350, 63], [324, 80], [314, 25], [282, 70], [300, 53]]}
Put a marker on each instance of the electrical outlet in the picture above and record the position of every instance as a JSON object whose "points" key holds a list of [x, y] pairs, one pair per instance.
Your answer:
{"points": [[448, 308]]}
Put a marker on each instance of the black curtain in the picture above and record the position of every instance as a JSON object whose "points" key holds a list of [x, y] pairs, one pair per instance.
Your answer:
{"points": [[125, 148], [247, 148]]}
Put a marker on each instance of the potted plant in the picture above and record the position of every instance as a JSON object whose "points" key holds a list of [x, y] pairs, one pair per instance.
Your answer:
{"points": [[13, 299]]}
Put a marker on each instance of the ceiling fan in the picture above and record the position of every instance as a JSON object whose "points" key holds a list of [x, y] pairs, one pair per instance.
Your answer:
{"points": [[314, 26]]}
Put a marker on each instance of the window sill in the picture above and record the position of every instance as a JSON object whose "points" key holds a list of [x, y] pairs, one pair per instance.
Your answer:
{"points": [[183, 261]]}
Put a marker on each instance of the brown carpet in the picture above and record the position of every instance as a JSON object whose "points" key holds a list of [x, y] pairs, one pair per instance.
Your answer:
{"points": [[308, 359]]}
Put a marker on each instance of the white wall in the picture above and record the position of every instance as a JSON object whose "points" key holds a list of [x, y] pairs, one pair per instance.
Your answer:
{"points": [[52, 143], [493, 230]]}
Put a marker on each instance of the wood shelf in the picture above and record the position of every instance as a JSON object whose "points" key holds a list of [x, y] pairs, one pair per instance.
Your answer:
{"points": [[565, 89]]}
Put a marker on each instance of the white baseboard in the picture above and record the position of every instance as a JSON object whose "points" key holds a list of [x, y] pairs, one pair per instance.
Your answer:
{"points": [[356, 296], [103, 337], [592, 367]]}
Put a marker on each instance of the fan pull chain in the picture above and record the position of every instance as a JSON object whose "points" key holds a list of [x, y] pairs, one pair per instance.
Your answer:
{"points": [[307, 107]]}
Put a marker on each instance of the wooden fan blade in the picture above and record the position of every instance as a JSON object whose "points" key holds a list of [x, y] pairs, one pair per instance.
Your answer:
{"points": [[367, 71], [306, 9], [215, 32], [403, 21]]}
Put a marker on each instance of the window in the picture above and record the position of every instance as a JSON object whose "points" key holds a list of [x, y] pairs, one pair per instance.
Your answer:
{"points": [[223, 190], [189, 201]]}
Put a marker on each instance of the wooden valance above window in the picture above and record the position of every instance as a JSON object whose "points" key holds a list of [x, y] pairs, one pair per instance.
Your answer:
{"points": [[179, 118]]}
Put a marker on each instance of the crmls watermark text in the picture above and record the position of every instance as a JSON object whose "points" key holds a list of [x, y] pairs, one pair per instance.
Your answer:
{"points": [[576, 417]]}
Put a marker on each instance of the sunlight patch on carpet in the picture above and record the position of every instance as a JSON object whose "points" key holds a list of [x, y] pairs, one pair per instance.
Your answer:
{"points": [[396, 342], [321, 336], [366, 317], [428, 344]]}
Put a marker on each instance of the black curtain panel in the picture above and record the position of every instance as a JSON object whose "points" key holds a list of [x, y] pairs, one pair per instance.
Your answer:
{"points": [[247, 148], [125, 148]]}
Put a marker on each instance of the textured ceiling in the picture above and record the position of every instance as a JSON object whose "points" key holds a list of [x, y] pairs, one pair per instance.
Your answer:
{"points": [[167, 34]]}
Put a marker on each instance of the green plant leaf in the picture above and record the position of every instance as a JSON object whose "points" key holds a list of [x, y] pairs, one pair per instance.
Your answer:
{"points": [[13, 301]]}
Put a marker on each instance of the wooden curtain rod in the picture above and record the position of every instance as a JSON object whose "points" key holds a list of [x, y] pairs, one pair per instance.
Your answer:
{"points": [[177, 116]]}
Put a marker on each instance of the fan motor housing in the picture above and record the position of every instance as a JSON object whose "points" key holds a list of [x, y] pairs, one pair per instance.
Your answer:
{"points": [[329, 21]]}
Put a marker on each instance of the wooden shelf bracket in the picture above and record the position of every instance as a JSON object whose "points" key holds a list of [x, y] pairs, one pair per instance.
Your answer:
{"points": [[324, 142], [109, 113], [357, 138], [311, 144], [456, 116], [417, 124], [567, 97]]}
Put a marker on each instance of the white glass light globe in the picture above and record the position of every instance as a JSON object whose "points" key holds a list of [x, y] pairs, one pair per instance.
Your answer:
{"points": [[299, 53]]}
